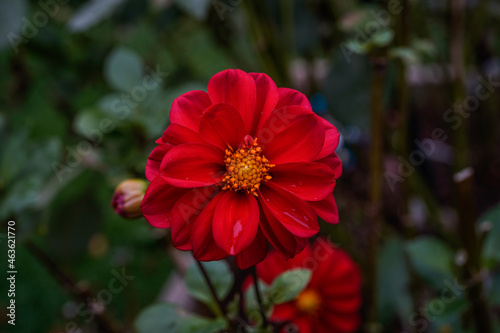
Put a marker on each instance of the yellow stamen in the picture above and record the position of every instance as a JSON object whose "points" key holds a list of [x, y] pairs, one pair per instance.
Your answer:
{"points": [[308, 301], [246, 168]]}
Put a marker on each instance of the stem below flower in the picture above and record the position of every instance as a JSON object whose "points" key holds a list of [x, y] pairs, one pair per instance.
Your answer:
{"points": [[259, 297], [221, 307]]}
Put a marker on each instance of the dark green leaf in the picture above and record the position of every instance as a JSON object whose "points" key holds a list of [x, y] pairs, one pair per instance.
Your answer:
{"points": [[202, 325], [288, 285], [158, 318], [491, 249], [123, 69], [220, 276], [393, 283], [432, 260]]}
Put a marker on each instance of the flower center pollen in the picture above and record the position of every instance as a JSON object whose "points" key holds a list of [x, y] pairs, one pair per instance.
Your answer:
{"points": [[308, 301], [246, 168]]}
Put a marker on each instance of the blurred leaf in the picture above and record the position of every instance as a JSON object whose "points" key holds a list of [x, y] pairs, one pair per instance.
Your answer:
{"points": [[220, 275], [347, 90], [21, 195], [288, 285], [14, 155], [91, 13], [251, 302], [76, 216], [11, 13], [200, 52], [393, 283], [432, 260], [87, 121], [382, 38], [494, 291], [26, 168], [406, 54], [196, 324], [491, 247], [158, 318], [358, 47], [123, 69], [197, 8]]}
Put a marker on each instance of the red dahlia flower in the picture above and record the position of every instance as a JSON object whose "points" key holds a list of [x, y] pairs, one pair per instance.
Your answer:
{"points": [[330, 303], [245, 164]]}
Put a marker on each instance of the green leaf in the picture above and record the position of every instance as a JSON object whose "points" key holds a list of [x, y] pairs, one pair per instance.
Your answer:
{"points": [[11, 13], [406, 54], [158, 318], [197, 8], [494, 290], [393, 282], [123, 69], [358, 47], [288, 285], [491, 248], [87, 121], [91, 13], [432, 260], [202, 325], [382, 38], [251, 302], [220, 275]]}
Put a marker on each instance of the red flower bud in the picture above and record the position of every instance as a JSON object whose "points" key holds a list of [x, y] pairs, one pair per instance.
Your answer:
{"points": [[127, 198]]}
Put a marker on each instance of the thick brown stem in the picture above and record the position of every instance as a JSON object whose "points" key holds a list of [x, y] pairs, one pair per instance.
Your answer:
{"points": [[374, 209]]}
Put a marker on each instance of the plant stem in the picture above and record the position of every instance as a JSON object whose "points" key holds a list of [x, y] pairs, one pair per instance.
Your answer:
{"points": [[378, 65], [104, 320], [221, 307], [464, 178], [259, 297]]}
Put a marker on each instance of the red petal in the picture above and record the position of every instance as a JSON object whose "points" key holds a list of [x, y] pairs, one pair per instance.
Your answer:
{"points": [[254, 254], [271, 267], [177, 134], [343, 322], [280, 238], [278, 120], [237, 88], [332, 137], [154, 161], [185, 212], [292, 97], [267, 97], [343, 305], [236, 221], [193, 165], [221, 125], [202, 240], [158, 201], [293, 213], [326, 209], [187, 109], [334, 163], [307, 180], [304, 324], [284, 312], [300, 141]]}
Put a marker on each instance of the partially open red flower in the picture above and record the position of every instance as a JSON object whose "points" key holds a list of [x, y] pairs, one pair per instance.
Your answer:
{"points": [[240, 166], [331, 301]]}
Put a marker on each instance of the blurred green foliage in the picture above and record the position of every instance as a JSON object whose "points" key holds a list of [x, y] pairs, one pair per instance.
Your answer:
{"points": [[85, 94]]}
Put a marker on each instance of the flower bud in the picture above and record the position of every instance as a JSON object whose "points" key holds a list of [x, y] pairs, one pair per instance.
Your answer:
{"points": [[127, 198]]}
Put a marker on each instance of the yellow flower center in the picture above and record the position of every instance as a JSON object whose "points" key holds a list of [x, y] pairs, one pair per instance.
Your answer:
{"points": [[308, 301], [246, 168]]}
